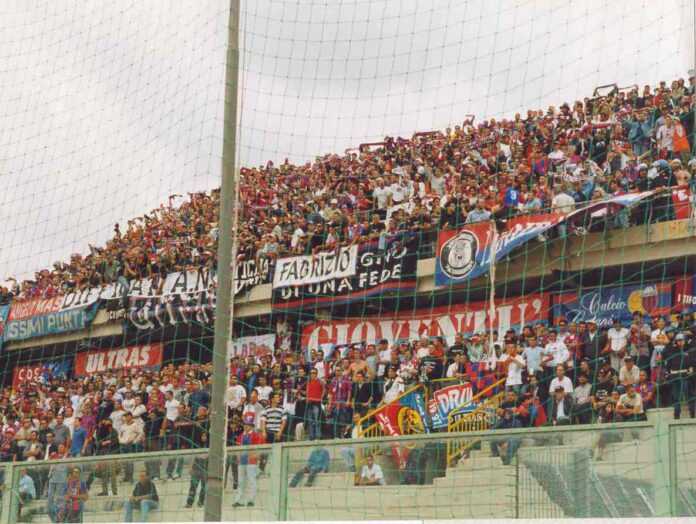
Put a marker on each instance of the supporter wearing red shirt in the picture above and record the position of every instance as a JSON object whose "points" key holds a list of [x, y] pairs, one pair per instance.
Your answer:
{"points": [[315, 394]]}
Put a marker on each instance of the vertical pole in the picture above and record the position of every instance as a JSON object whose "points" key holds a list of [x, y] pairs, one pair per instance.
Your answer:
{"points": [[661, 474], [223, 313]]}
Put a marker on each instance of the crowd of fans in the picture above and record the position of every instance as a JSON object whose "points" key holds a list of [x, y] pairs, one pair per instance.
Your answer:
{"points": [[622, 141], [625, 141], [551, 375]]}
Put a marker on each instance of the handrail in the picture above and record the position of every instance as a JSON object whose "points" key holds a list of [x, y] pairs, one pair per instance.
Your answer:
{"points": [[372, 413], [476, 397]]}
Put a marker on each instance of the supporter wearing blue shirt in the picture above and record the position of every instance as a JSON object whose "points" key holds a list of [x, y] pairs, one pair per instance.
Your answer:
{"points": [[318, 462], [512, 197], [78, 440]]}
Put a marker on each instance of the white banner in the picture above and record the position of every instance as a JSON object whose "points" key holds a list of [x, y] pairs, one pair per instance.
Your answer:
{"points": [[312, 269], [254, 346]]}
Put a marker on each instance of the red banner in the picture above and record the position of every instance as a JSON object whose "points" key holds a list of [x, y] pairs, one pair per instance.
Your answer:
{"points": [[132, 357], [681, 197], [445, 321], [25, 374], [32, 308], [685, 295]]}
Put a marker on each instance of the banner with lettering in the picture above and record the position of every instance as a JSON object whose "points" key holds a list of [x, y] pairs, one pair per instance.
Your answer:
{"points": [[469, 252], [189, 296], [446, 400], [379, 270], [685, 295], [4, 313], [312, 269], [39, 318], [445, 321], [603, 304], [148, 356], [252, 346], [40, 373]]}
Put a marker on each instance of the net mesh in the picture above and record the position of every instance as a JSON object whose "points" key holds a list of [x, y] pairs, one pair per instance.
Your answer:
{"points": [[455, 217]]}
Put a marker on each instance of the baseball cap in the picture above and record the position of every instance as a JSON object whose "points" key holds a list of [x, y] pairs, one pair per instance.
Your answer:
{"points": [[680, 336]]}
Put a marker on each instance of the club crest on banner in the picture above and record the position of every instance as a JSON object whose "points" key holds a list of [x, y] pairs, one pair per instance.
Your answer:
{"points": [[458, 255]]}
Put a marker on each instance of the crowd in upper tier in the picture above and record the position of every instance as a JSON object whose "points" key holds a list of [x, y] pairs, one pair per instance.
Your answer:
{"points": [[617, 142]]}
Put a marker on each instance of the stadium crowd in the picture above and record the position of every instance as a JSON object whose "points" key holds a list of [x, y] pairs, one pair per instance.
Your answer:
{"points": [[621, 141], [567, 374], [559, 375]]}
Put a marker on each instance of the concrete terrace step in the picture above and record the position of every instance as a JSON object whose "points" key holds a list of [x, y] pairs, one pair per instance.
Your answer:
{"points": [[164, 515]]}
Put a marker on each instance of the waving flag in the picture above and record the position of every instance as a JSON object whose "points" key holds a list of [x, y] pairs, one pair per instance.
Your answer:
{"points": [[405, 415]]}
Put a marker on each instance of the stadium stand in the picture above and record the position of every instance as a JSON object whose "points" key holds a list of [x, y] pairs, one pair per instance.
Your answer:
{"points": [[616, 162]]}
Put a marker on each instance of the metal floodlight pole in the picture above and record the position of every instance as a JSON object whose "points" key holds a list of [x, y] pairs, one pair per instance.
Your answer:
{"points": [[224, 314]]}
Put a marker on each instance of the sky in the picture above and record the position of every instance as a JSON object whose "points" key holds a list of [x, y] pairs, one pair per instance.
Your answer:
{"points": [[108, 107]]}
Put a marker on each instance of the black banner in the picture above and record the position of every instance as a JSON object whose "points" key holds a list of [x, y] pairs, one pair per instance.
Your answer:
{"points": [[380, 269], [188, 296]]}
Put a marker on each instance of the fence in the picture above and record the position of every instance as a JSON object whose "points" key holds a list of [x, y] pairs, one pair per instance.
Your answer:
{"points": [[620, 470]]}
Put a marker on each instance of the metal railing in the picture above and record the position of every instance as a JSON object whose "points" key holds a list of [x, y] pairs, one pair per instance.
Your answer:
{"points": [[648, 469]]}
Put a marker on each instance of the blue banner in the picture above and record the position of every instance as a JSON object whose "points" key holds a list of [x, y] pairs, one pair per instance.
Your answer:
{"points": [[74, 319], [468, 253], [603, 304], [4, 311]]}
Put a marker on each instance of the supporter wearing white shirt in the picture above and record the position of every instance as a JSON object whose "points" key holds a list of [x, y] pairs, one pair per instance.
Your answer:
{"points": [[236, 394], [129, 401], [371, 474], [401, 191], [117, 416], [263, 390], [629, 373], [171, 406], [562, 202], [555, 351], [131, 432], [384, 356], [514, 364], [617, 343], [561, 381], [320, 366], [533, 354], [139, 410], [381, 194]]}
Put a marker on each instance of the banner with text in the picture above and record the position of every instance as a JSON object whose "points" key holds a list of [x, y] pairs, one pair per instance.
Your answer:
{"points": [[312, 269], [189, 296], [685, 295], [39, 318], [378, 271], [252, 346], [41, 373], [445, 321], [446, 400], [147, 356], [468, 253], [4, 313], [603, 304]]}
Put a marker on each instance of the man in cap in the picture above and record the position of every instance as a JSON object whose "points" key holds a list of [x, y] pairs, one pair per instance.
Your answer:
{"points": [[248, 464], [629, 372]]}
